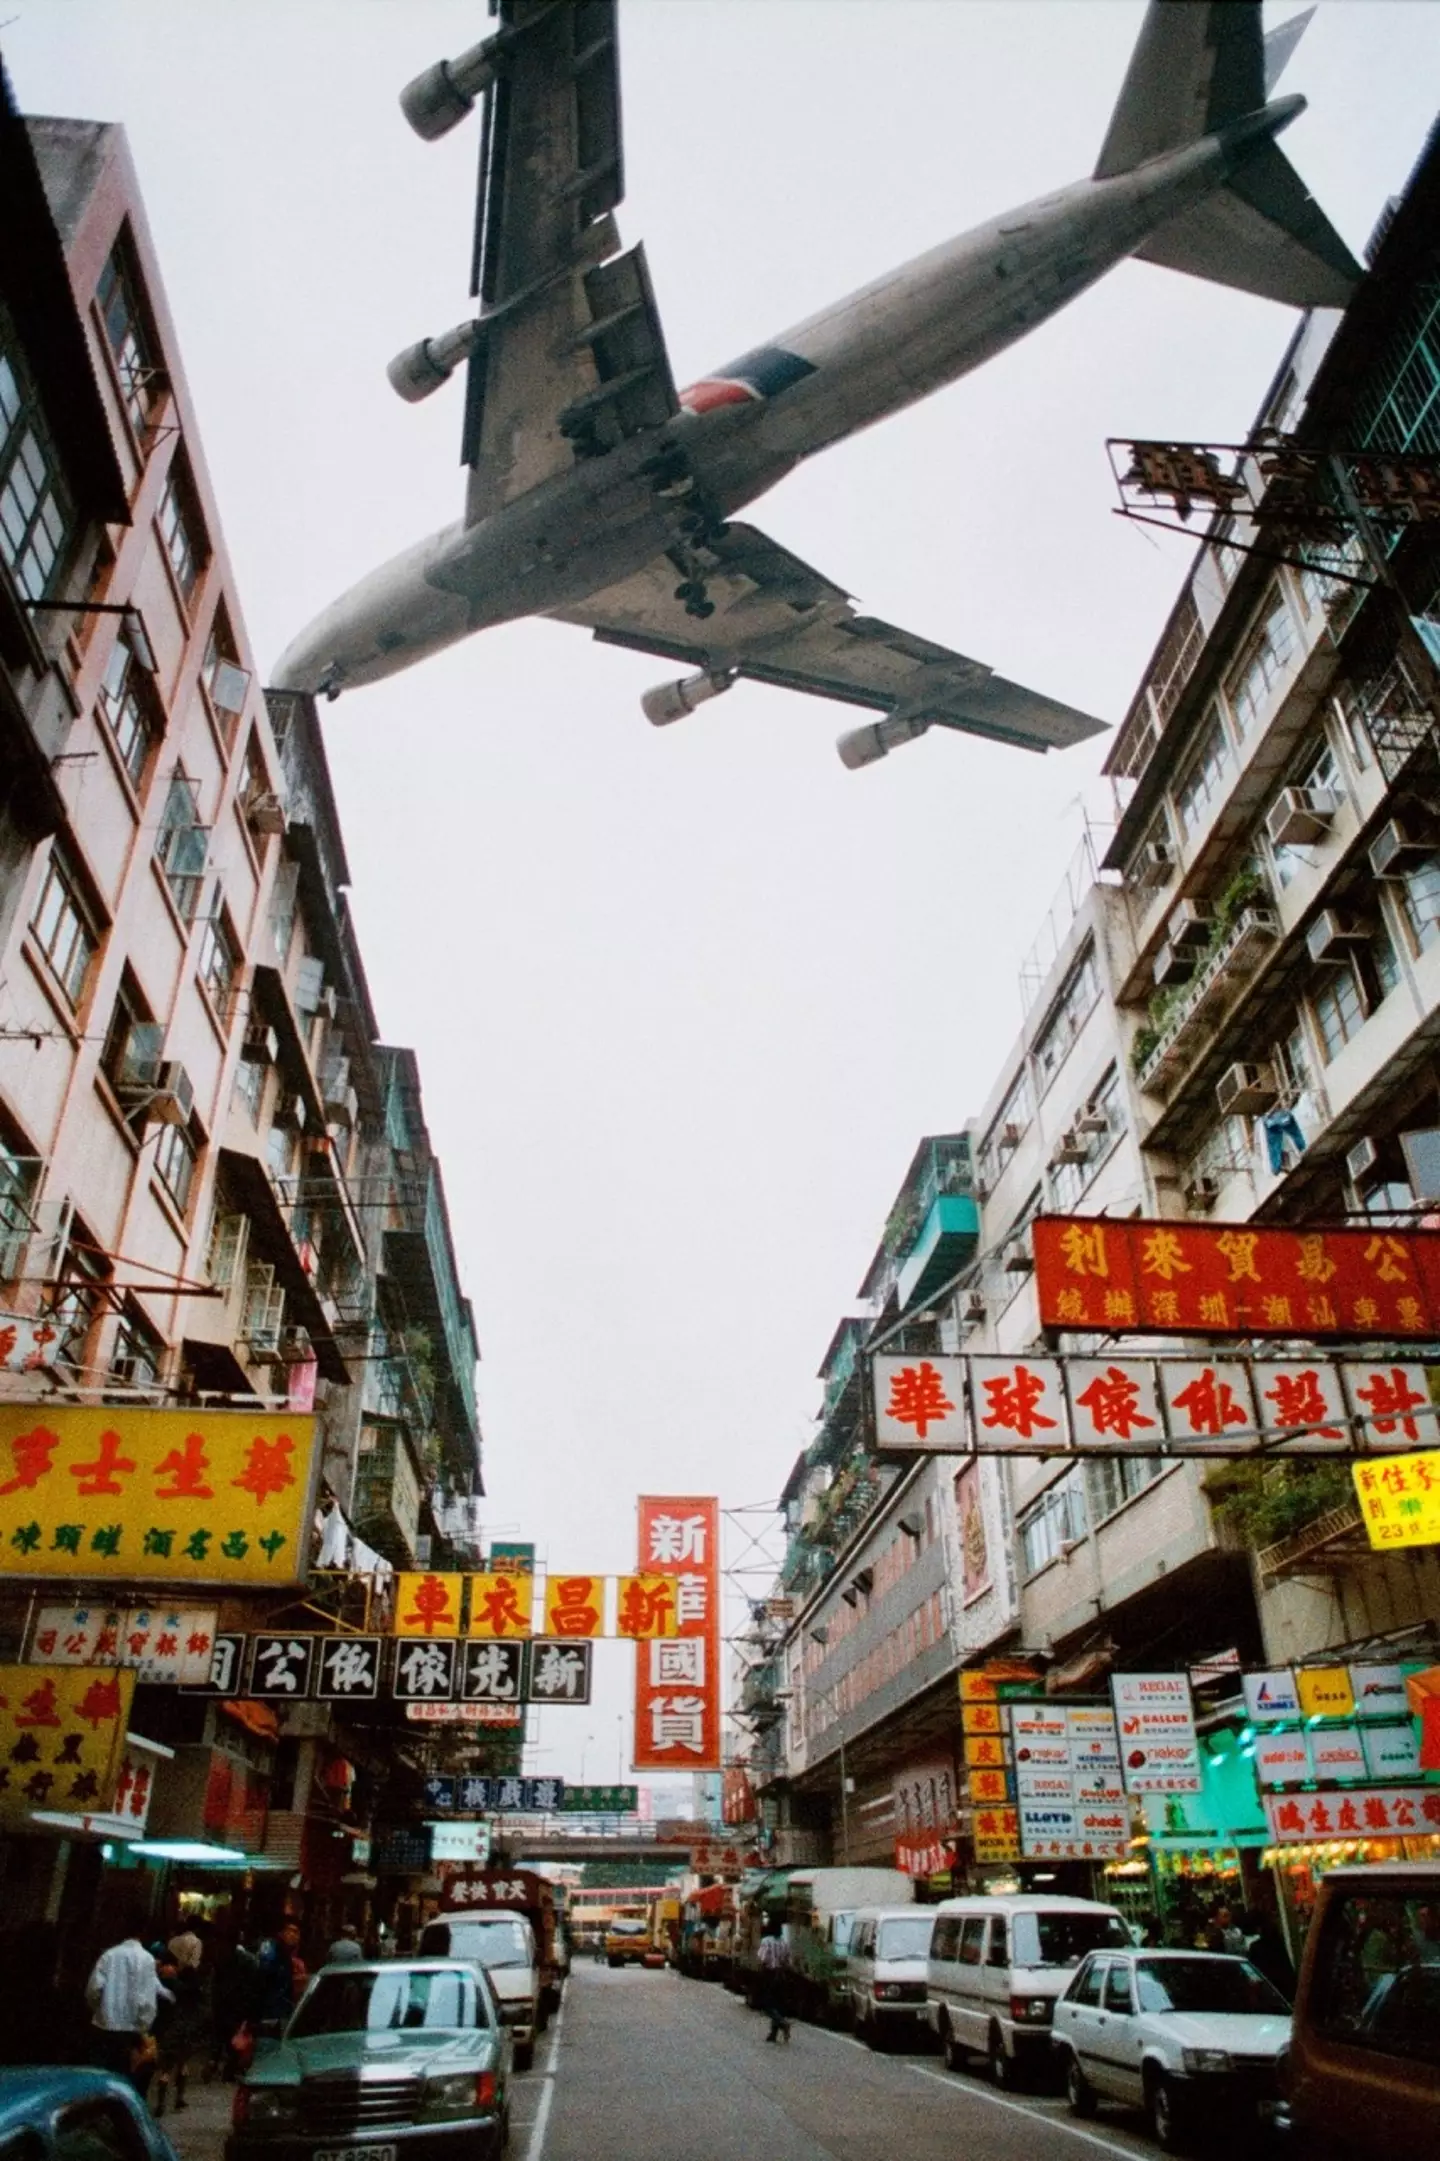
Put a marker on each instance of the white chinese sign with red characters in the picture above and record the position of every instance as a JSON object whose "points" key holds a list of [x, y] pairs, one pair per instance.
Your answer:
{"points": [[1019, 1403], [166, 1644], [1363, 1812], [920, 1404], [1159, 1752], [677, 1678], [28, 1343]]}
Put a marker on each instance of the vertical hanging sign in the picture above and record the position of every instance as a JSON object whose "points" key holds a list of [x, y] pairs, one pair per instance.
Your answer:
{"points": [[677, 1677]]}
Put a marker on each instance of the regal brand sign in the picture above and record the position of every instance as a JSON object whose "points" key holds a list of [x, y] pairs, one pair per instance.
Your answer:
{"points": [[1159, 1751], [187, 1497], [1231, 1279], [677, 1677], [1071, 1799], [1056, 1406]]}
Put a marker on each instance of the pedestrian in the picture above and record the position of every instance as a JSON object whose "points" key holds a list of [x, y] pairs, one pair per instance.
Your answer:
{"points": [[347, 1949], [179, 2026], [235, 2007], [124, 1992], [774, 1957], [282, 1976]]}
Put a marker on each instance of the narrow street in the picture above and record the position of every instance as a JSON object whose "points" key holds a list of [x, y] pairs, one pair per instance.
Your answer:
{"points": [[650, 2065]]}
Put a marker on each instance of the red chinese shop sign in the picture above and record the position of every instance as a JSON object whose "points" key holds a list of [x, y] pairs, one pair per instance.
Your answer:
{"points": [[1228, 1279], [677, 1678]]}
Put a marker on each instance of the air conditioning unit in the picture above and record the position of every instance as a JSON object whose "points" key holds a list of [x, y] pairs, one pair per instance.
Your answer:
{"points": [[293, 1347], [1172, 964], [1201, 1195], [1073, 1148], [1245, 1090], [1011, 1135], [973, 1310], [1154, 864], [1332, 935], [1300, 815], [342, 1107], [172, 1099], [1361, 1160], [1018, 1259], [423, 1545], [264, 811], [229, 686], [1093, 1121], [290, 1112], [309, 984], [261, 1045], [1393, 848], [1191, 922]]}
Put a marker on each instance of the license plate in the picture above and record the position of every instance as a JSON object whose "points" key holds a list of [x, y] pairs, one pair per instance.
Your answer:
{"points": [[354, 2153]]}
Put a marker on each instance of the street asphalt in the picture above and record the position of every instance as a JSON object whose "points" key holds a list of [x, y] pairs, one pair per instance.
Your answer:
{"points": [[650, 2067]]}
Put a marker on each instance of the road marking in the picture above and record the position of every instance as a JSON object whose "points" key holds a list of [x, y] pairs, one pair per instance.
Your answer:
{"points": [[536, 2147], [1018, 2108]]}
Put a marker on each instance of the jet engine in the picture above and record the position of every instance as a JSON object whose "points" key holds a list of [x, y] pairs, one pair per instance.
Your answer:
{"points": [[424, 367], [439, 99], [865, 746], [672, 701]]}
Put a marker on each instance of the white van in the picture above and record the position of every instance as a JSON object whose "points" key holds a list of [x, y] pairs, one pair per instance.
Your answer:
{"points": [[997, 1966], [820, 1909], [503, 1942], [887, 1971]]}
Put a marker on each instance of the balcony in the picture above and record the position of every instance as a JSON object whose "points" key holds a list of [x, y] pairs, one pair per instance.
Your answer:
{"points": [[940, 1169], [387, 1498], [944, 1245], [1208, 998]]}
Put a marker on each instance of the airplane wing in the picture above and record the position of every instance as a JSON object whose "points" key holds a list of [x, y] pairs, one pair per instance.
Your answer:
{"points": [[775, 620], [569, 358]]}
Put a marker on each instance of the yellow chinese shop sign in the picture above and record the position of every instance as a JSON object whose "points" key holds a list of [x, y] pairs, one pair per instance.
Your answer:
{"points": [[1399, 1498], [179, 1497], [62, 1731]]}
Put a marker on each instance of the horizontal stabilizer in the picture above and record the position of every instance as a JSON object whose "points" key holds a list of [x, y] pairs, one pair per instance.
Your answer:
{"points": [[1262, 233]]}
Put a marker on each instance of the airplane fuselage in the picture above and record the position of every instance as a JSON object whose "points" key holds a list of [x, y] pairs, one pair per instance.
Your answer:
{"points": [[741, 430]]}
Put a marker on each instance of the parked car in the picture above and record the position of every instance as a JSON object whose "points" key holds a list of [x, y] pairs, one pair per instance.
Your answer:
{"points": [[47, 2113], [1362, 2073], [886, 1968], [627, 1940], [504, 1944], [1177, 2033], [405, 2061], [998, 1964]]}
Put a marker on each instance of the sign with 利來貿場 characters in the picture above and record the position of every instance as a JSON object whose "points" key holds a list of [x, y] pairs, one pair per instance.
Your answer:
{"points": [[134, 1495]]}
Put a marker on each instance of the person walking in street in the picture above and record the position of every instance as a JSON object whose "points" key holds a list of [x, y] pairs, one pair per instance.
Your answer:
{"points": [[179, 2026], [774, 1957], [282, 1976], [235, 2006], [124, 1992], [347, 1949]]}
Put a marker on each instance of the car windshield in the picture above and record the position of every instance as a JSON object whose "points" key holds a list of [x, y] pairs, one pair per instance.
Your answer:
{"points": [[906, 1939], [494, 1943], [351, 2000], [1206, 1983], [1063, 1939], [627, 1928]]}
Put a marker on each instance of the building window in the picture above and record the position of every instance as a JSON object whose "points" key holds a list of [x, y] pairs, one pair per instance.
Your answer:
{"points": [[62, 927], [218, 962], [19, 1183], [181, 845], [1262, 662], [1111, 1481], [176, 1155], [35, 512], [130, 341], [127, 703], [250, 1087], [180, 532], [77, 1298], [1067, 1017], [1056, 1521], [138, 1353], [1350, 993], [227, 684], [1069, 1180], [1204, 777], [284, 907], [132, 1041]]}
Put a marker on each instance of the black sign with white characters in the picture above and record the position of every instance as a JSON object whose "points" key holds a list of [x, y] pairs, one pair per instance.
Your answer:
{"points": [[280, 1667], [425, 1669], [349, 1669], [494, 1672], [559, 1670]]}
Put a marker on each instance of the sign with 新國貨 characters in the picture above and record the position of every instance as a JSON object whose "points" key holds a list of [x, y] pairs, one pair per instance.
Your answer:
{"points": [[677, 1675]]}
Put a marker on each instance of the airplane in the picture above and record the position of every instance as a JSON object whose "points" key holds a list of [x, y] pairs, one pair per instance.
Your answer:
{"points": [[598, 495]]}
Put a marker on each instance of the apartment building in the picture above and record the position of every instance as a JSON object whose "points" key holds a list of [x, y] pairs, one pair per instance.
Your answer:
{"points": [[1232, 1012], [217, 1187]]}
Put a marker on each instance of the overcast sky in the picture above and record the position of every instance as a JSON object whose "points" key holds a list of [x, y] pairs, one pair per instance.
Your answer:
{"points": [[685, 1002]]}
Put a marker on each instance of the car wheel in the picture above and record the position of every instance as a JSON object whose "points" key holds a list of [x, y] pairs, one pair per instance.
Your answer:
{"points": [[1079, 2092], [612, 1962], [1002, 2071], [1167, 2114], [524, 2055], [950, 2048]]}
